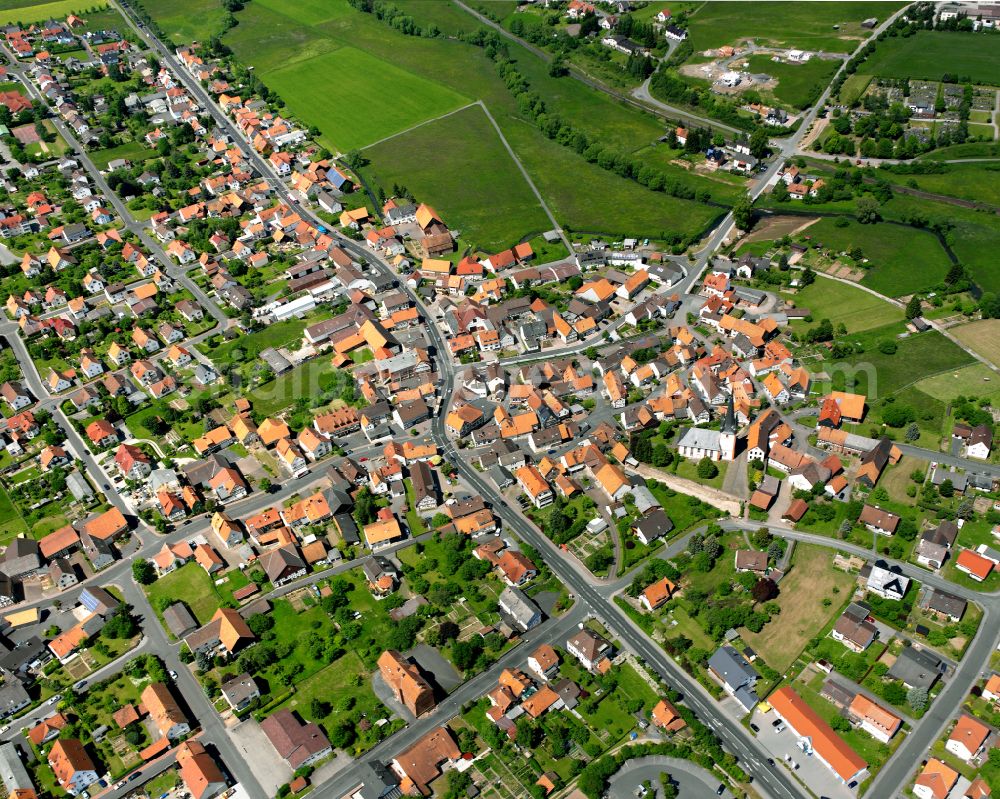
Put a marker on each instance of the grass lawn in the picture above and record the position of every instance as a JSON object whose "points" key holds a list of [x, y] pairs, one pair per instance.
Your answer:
{"points": [[453, 164], [844, 304], [896, 479], [308, 12], [276, 43], [688, 469], [970, 150], [185, 21], [799, 84], [11, 523], [932, 54], [854, 87], [975, 380], [974, 236], [39, 12], [977, 182], [982, 337], [354, 108], [901, 260], [345, 678], [879, 375], [806, 26], [276, 335], [305, 380], [132, 151], [786, 635], [189, 584]]}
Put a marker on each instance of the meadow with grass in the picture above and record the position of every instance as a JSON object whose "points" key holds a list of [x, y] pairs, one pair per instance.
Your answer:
{"points": [[319, 70], [932, 54], [901, 260], [843, 304], [13, 11], [799, 84], [460, 163], [808, 26], [361, 85]]}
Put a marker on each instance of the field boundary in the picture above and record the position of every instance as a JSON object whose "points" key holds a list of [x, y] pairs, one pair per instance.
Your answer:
{"points": [[527, 177], [420, 125]]}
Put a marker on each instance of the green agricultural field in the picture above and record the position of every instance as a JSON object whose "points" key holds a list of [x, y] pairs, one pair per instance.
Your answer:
{"points": [[276, 43], [308, 12], [186, 21], [981, 130], [854, 87], [879, 375], [974, 237], [979, 182], [344, 93], [902, 260], [625, 208], [459, 165], [972, 150], [804, 25], [976, 380], [11, 523], [38, 12], [133, 151], [932, 54], [799, 85], [845, 304]]}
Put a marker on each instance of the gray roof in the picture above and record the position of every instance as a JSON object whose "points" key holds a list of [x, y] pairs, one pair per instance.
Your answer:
{"points": [[943, 602], [732, 667], [12, 771], [239, 689], [917, 667], [78, 486], [655, 525], [179, 620], [517, 608], [700, 438]]}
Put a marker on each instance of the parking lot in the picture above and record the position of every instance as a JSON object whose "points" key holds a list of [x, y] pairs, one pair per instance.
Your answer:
{"points": [[811, 771]]}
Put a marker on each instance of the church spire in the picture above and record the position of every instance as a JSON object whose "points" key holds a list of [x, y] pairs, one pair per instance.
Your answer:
{"points": [[729, 425]]}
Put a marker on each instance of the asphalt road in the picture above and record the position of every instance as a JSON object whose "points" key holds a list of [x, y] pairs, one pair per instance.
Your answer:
{"points": [[692, 782], [589, 598]]}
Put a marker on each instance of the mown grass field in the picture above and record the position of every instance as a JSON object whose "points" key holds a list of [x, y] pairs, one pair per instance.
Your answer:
{"points": [[459, 163], [781, 641], [355, 107], [931, 54], [972, 150], [133, 151], [799, 85], [854, 87], [808, 26], [289, 54], [902, 260], [975, 380], [308, 12], [879, 375], [185, 21], [845, 304], [982, 337], [15, 11], [977, 182]]}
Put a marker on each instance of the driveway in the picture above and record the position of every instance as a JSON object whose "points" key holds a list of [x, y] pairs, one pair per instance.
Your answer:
{"points": [[691, 780], [267, 766]]}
